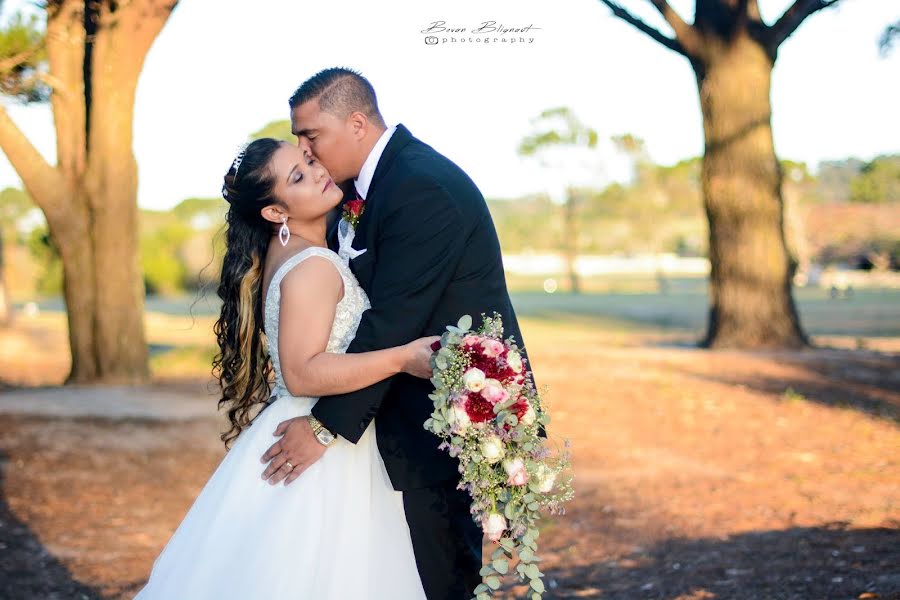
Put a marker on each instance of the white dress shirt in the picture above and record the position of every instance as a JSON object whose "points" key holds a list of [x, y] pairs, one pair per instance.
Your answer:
{"points": [[364, 180]]}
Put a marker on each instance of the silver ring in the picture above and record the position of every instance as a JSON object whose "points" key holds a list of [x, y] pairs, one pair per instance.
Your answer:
{"points": [[290, 466]]}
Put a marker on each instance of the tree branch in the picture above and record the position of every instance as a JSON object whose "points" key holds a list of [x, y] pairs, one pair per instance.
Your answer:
{"points": [[794, 16], [65, 41], [10, 63], [42, 181], [671, 44], [690, 40]]}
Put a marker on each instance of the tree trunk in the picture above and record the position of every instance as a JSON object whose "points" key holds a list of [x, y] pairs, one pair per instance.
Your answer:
{"points": [[750, 285], [96, 53], [5, 302]]}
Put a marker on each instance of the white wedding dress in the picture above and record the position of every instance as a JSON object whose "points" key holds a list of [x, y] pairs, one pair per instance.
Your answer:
{"points": [[338, 532]]}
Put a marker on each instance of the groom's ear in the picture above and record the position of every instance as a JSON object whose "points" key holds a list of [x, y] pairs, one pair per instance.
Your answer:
{"points": [[359, 124]]}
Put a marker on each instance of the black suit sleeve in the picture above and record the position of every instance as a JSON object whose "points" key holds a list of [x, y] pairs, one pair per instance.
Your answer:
{"points": [[421, 239]]}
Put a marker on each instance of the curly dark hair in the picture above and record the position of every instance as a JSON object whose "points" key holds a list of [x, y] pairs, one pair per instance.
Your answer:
{"points": [[242, 365]]}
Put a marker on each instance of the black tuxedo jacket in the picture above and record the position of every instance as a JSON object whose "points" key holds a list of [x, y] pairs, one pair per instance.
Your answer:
{"points": [[432, 256]]}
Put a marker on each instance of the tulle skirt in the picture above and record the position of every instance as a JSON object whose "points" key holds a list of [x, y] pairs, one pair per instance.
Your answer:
{"points": [[337, 532]]}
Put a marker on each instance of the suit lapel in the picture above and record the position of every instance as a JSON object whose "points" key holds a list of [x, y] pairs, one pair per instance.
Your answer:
{"points": [[398, 141], [361, 266]]}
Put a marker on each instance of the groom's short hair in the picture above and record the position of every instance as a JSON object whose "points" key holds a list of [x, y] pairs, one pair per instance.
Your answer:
{"points": [[340, 91]]}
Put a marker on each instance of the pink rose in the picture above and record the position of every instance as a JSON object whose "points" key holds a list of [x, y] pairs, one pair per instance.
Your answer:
{"points": [[492, 348], [471, 340], [493, 391], [516, 471]]}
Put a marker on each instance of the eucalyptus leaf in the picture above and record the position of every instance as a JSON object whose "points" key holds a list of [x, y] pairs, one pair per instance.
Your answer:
{"points": [[532, 571], [486, 570], [493, 582], [536, 596], [465, 322], [501, 565], [537, 585], [481, 588]]}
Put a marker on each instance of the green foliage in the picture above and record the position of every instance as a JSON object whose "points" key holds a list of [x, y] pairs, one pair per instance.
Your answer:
{"points": [[280, 130], [49, 281], [662, 211], [202, 213], [15, 206], [878, 181], [163, 267], [557, 127], [23, 59]]}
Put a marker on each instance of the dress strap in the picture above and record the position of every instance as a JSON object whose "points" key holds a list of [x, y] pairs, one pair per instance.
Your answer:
{"points": [[299, 257]]}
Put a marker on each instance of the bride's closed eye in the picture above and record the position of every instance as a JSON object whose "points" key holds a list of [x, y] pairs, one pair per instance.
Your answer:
{"points": [[298, 177]]}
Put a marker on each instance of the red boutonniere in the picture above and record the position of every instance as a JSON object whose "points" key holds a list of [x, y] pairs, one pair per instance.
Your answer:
{"points": [[353, 210]]}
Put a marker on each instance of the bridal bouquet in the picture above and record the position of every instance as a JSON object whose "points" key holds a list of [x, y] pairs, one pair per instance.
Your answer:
{"points": [[489, 414]]}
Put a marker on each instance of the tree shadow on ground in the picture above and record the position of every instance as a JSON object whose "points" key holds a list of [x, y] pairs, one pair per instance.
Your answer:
{"points": [[27, 570], [801, 563], [865, 381]]}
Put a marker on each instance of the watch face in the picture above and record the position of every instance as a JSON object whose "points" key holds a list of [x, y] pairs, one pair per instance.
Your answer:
{"points": [[326, 436]]}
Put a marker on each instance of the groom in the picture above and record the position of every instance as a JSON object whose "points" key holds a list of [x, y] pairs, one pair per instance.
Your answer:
{"points": [[431, 256]]}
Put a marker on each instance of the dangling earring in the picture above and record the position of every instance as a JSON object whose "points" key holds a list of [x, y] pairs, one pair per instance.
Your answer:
{"points": [[284, 234]]}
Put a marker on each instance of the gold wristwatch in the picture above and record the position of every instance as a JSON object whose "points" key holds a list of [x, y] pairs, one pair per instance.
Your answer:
{"points": [[325, 437]]}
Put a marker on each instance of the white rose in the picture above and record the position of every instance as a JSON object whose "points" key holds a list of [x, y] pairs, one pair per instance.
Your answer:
{"points": [[492, 449], [474, 379], [530, 416], [545, 478], [460, 417], [493, 526], [514, 360]]}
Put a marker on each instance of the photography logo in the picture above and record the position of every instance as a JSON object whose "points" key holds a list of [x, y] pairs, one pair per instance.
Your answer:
{"points": [[439, 33]]}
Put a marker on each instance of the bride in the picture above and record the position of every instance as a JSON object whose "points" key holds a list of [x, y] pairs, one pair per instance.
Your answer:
{"points": [[338, 531]]}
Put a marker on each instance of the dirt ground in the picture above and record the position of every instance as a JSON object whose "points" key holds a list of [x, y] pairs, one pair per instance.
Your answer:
{"points": [[699, 475]]}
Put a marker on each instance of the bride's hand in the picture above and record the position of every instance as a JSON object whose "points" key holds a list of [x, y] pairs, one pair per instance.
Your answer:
{"points": [[418, 357]]}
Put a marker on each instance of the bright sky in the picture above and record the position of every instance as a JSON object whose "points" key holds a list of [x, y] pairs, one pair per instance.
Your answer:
{"points": [[224, 68]]}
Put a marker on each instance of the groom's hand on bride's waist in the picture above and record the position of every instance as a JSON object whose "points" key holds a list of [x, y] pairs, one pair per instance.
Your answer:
{"points": [[295, 452]]}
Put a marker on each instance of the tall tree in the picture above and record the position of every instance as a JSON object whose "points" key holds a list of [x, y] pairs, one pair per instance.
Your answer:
{"points": [[555, 128], [732, 52], [95, 51]]}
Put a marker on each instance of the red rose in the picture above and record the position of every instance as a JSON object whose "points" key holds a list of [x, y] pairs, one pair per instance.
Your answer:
{"points": [[354, 207]]}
